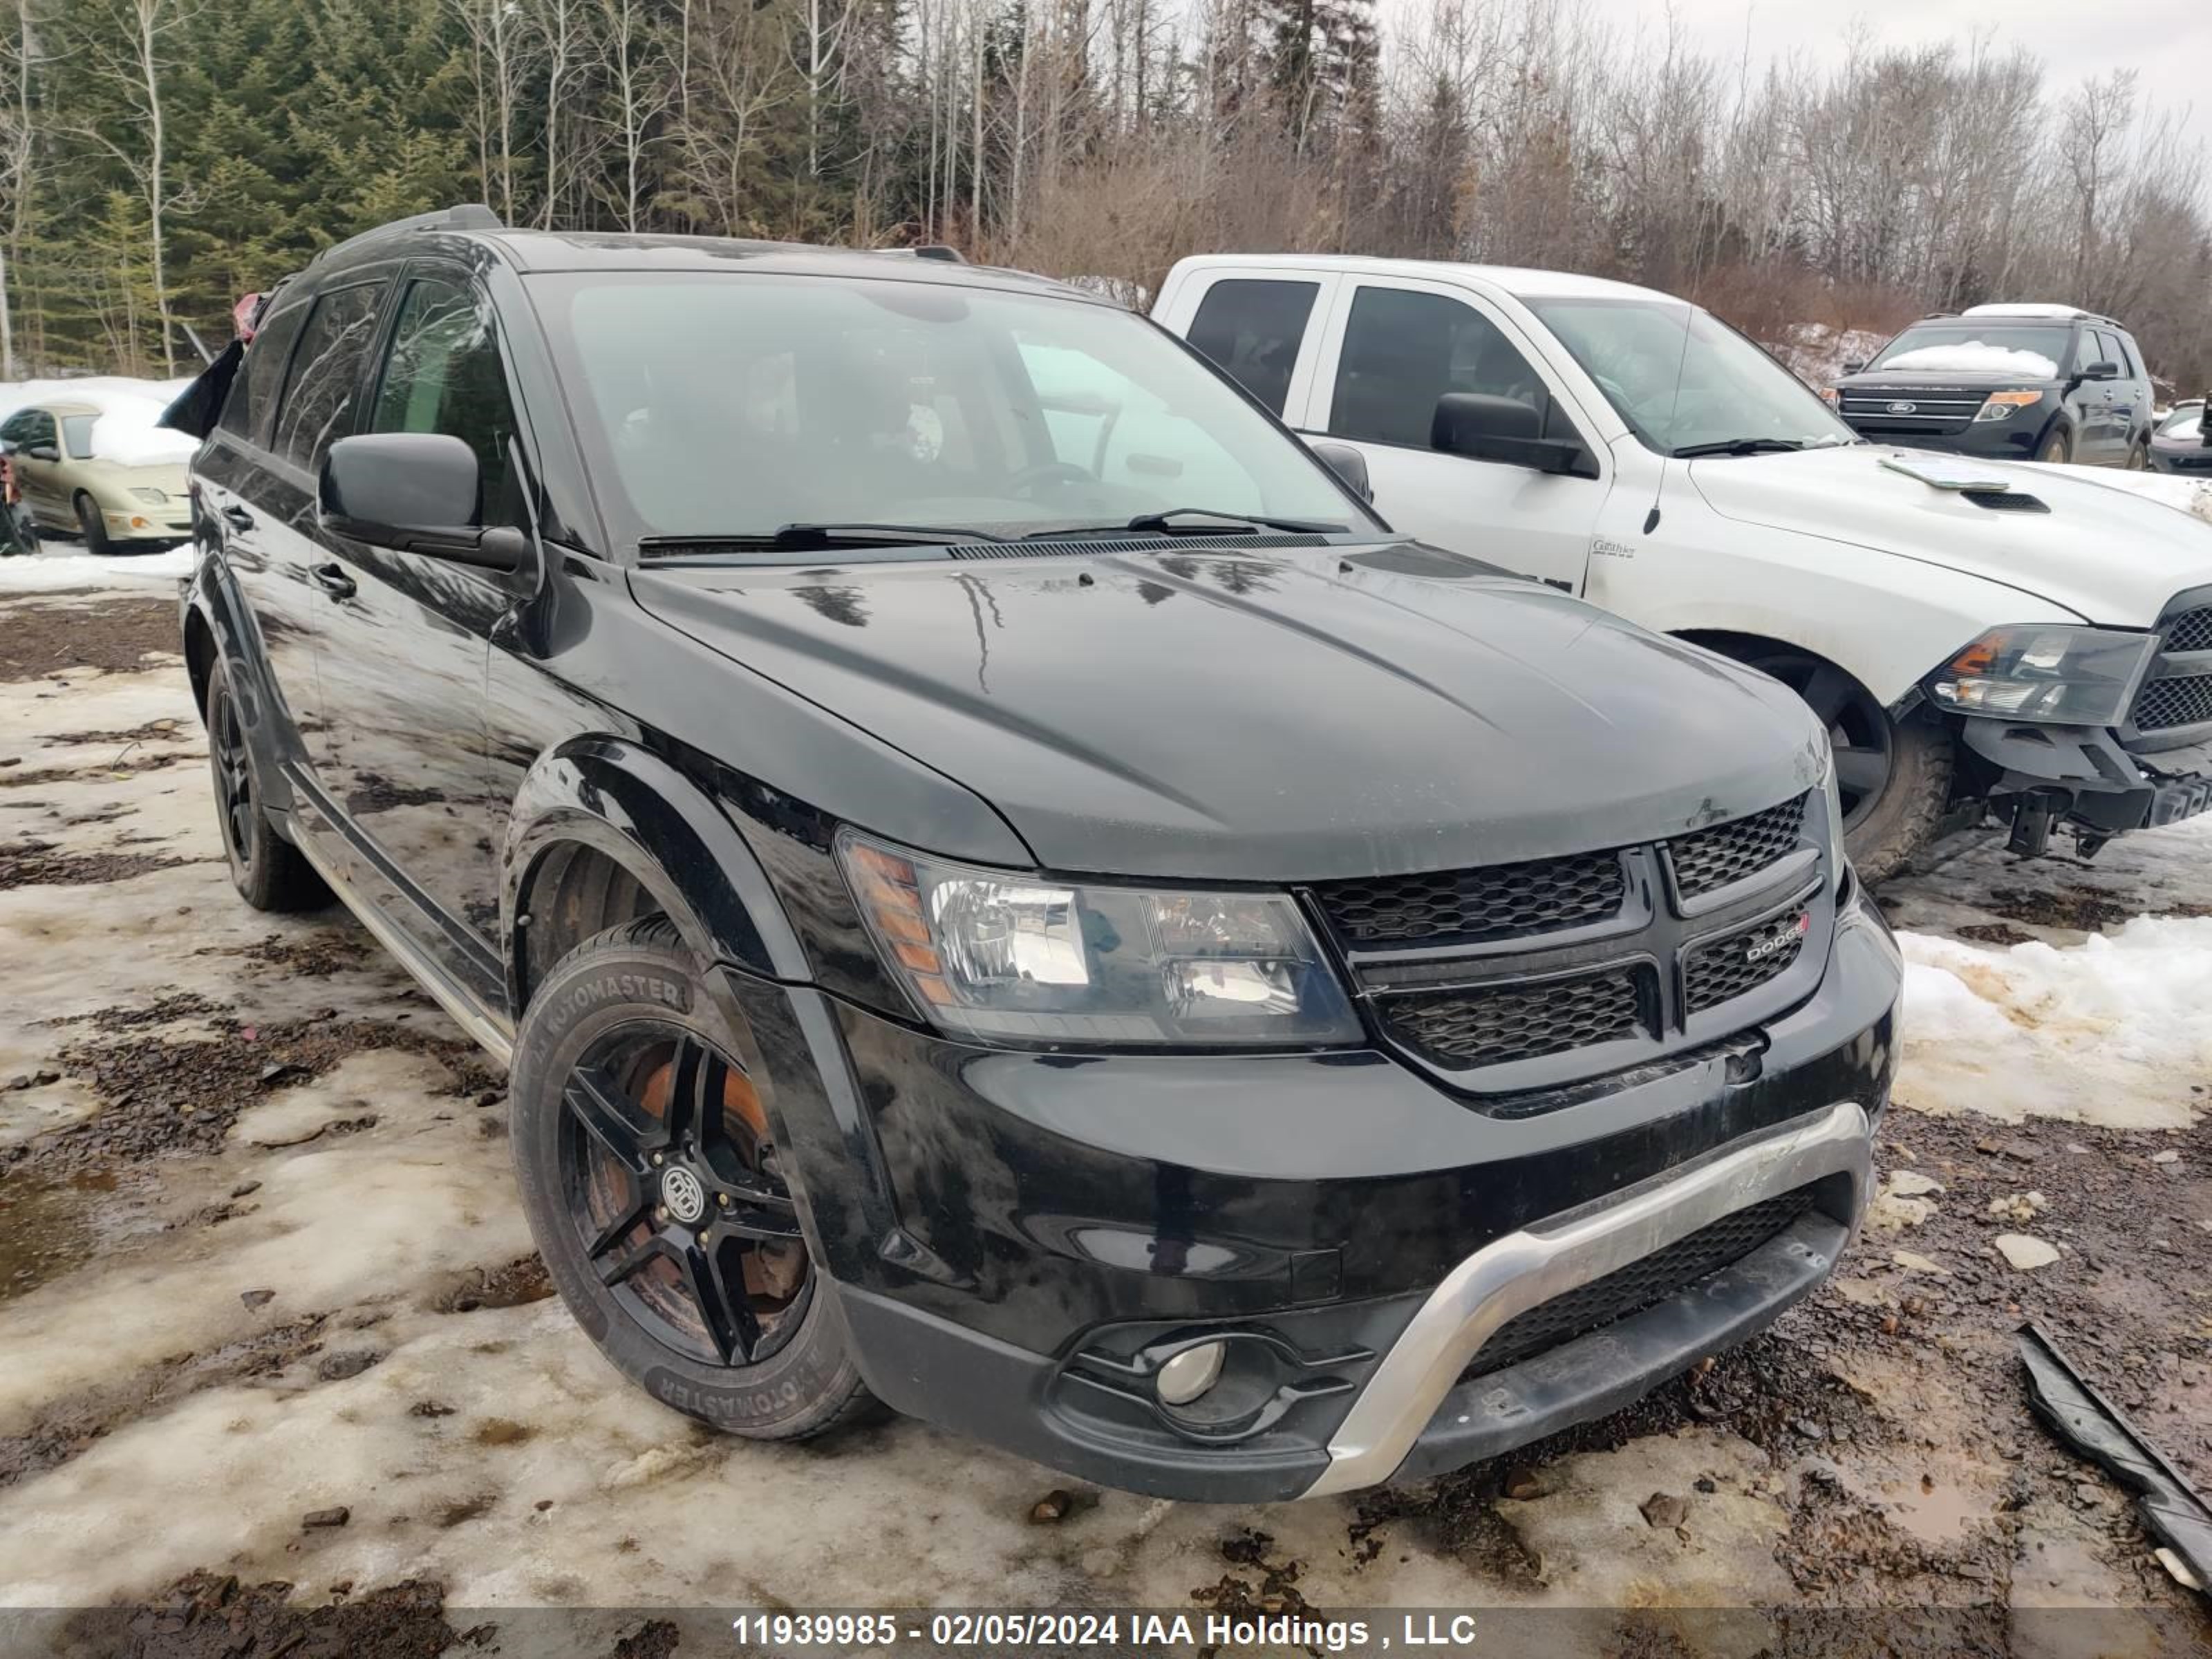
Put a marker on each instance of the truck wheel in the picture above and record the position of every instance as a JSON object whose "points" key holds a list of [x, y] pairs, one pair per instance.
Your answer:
{"points": [[1894, 778], [268, 871], [652, 1180], [2056, 449], [2139, 455], [92, 526]]}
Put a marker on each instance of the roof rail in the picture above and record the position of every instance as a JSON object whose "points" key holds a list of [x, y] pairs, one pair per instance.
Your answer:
{"points": [[467, 215], [938, 251]]}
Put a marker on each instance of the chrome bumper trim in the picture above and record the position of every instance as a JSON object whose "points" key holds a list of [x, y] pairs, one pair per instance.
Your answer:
{"points": [[1524, 1268]]}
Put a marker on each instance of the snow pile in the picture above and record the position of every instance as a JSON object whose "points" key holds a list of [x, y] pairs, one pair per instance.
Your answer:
{"points": [[1976, 357], [61, 565], [126, 432], [2110, 1031], [1816, 352]]}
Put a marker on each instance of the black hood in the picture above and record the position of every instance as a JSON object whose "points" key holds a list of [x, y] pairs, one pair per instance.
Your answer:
{"points": [[1265, 715]]}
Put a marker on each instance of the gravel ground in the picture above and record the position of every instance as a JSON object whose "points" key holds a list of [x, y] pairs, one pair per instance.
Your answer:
{"points": [[283, 1376]]}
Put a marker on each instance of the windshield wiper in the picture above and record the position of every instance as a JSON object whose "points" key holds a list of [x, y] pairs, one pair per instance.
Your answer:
{"points": [[816, 539], [1163, 523], [1739, 447]]}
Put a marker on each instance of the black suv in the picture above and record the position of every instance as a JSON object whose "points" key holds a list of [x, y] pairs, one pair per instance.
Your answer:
{"points": [[1007, 891], [2019, 383]]}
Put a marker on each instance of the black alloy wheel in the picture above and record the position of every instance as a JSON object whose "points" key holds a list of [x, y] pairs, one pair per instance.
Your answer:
{"points": [[1858, 729], [670, 1183], [234, 804]]}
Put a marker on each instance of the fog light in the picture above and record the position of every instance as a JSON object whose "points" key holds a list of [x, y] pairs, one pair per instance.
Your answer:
{"points": [[1189, 1373]]}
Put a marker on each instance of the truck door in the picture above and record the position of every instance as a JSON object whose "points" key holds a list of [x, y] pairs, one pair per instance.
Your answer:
{"points": [[1263, 326], [1393, 346]]}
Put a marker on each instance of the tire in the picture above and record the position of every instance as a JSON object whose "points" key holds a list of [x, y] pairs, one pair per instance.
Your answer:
{"points": [[1895, 777], [92, 526], [686, 1298], [268, 871], [2139, 455], [2057, 448]]}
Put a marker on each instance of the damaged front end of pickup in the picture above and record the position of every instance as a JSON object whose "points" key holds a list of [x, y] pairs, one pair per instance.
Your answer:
{"points": [[2091, 730]]}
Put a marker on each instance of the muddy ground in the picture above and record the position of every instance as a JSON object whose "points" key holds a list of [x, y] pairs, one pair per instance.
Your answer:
{"points": [[279, 1374]]}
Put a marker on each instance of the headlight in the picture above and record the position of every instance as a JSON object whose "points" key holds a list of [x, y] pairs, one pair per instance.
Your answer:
{"points": [[992, 953], [2003, 406], [151, 497], [2074, 676]]}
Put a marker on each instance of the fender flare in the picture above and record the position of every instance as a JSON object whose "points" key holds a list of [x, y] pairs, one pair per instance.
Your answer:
{"points": [[621, 800]]}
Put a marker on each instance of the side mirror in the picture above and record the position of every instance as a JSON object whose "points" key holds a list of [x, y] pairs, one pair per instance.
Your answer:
{"points": [[2101, 371], [1486, 428], [415, 492], [42, 453], [1349, 465], [1853, 365]]}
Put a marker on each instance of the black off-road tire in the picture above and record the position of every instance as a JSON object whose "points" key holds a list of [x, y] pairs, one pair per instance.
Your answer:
{"points": [[641, 974], [2057, 448], [92, 526], [1902, 822], [268, 871]]}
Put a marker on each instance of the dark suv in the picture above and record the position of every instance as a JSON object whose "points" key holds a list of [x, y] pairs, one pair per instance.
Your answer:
{"points": [[2017, 383], [1006, 890]]}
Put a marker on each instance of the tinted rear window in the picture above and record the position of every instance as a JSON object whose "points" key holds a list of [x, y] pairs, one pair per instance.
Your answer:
{"points": [[1252, 328], [319, 392]]}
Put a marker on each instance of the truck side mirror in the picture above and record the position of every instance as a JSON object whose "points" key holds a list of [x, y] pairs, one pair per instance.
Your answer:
{"points": [[2101, 371], [1853, 365], [1487, 427], [1349, 465]]}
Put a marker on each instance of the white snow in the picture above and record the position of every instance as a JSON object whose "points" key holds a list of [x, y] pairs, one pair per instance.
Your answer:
{"points": [[2109, 1031], [60, 564], [1816, 352], [1975, 357], [2030, 308], [125, 432]]}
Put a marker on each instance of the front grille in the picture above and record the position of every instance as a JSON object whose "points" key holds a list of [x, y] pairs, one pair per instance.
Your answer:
{"points": [[1725, 968], [1948, 410], [1710, 858], [2163, 705], [1463, 1028], [1461, 906], [1642, 1284], [2192, 630]]}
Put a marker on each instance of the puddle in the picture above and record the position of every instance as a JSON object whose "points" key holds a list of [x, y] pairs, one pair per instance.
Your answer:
{"points": [[48, 1224]]}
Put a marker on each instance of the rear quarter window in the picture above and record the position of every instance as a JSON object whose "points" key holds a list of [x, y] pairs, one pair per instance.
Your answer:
{"points": [[253, 393], [318, 403], [1252, 327]]}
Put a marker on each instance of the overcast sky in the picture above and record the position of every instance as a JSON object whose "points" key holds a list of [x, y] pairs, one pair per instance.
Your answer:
{"points": [[2168, 43]]}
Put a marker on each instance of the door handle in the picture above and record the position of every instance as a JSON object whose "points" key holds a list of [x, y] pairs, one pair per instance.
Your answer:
{"points": [[238, 518], [333, 580]]}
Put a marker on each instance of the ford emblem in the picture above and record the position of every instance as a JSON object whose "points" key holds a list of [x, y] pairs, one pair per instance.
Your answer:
{"points": [[1905, 409]]}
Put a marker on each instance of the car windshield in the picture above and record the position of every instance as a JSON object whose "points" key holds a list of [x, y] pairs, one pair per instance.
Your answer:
{"points": [[2189, 418], [2029, 350], [733, 406], [1685, 380]]}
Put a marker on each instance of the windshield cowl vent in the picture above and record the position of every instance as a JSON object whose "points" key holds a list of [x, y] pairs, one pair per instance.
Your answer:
{"points": [[2005, 500], [1046, 547]]}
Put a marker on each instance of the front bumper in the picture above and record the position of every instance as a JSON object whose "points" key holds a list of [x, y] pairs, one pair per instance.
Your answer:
{"points": [[2090, 777], [1032, 1235]]}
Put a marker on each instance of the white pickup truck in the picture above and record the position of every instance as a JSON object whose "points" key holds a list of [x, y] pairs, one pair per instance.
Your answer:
{"points": [[1974, 633]]}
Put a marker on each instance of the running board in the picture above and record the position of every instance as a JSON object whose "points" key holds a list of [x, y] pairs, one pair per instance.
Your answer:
{"points": [[465, 1011]]}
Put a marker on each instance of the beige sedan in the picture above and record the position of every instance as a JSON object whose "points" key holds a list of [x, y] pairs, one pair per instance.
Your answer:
{"points": [[76, 479]]}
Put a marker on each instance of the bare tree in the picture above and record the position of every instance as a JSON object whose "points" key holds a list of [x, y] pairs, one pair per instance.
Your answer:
{"points": [[633, 62]]}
